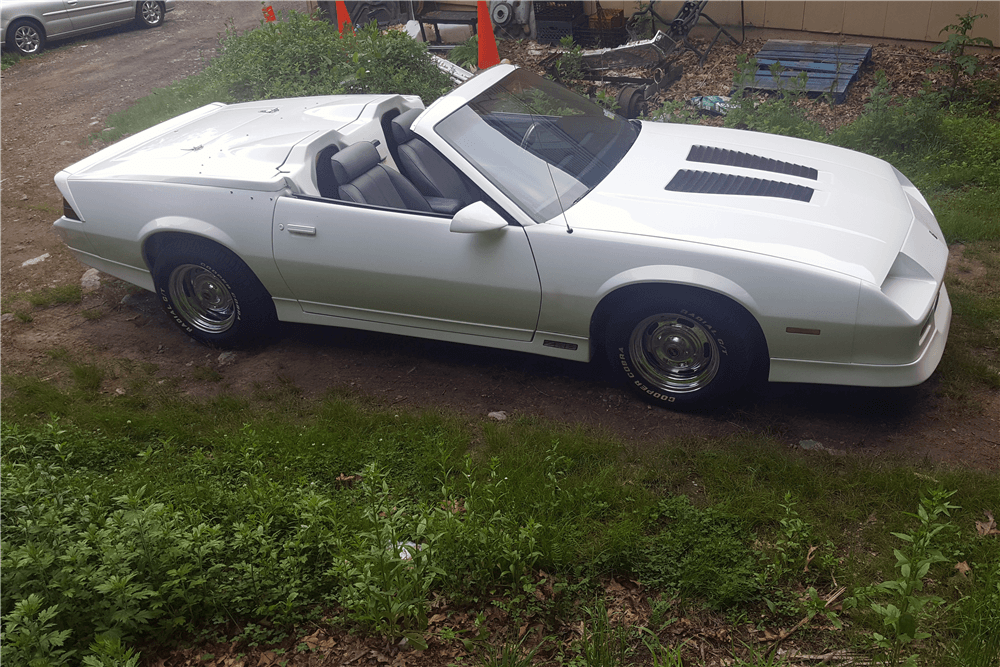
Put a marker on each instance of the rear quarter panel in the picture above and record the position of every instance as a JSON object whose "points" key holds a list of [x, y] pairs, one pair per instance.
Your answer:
{"points": [[121, 216]]}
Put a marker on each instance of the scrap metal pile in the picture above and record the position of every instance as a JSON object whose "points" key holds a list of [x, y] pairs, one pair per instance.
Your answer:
{"points": [[659, 54]]}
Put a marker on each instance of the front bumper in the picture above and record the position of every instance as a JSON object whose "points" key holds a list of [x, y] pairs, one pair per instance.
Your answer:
{"points": [[875, 375]]}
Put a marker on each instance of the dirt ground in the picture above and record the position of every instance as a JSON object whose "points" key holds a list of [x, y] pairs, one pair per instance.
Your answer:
{"points": [[51, 104]]}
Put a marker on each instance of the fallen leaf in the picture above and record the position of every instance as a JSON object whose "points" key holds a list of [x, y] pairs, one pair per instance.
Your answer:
{"points": [[347, 480], [963, 568], [988, 527]]}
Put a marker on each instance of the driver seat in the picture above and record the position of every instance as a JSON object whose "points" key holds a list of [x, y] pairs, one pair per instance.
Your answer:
{"points": [[430, 173]]}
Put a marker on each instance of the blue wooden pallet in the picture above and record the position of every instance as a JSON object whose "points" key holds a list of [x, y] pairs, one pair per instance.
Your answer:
{"points": [[829, 67]]}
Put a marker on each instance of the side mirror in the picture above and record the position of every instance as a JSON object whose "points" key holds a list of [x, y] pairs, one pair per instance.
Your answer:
{"points": [[477, 217]]}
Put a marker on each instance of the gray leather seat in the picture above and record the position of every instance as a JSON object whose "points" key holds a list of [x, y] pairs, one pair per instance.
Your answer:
{"points": [[430, 173], [363, 179]]}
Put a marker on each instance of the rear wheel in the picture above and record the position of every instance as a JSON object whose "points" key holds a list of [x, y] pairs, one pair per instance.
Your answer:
{"points": [[26, 37], [212, 295], [683, 350], [149, 13]]}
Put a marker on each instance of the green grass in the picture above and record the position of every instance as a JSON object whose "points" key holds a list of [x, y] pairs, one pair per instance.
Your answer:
{"points": [[264, 492], [47, 296]]}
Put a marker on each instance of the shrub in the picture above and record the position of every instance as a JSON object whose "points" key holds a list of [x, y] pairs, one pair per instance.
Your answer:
{"points": [[298, 56], [888, 128]]}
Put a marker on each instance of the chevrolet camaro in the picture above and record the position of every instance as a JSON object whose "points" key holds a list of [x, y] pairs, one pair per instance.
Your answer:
{"points": [[515, 214]]}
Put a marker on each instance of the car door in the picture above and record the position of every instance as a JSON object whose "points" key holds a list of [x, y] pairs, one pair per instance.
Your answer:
{"points": [[406, 268], [94, 14]]}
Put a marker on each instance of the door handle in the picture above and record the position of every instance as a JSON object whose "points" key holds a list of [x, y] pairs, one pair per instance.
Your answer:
{"points": [[302, 230]]}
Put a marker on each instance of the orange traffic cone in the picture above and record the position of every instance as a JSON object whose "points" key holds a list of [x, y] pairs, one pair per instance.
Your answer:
{"points": [[488, 53], [343, 16]]}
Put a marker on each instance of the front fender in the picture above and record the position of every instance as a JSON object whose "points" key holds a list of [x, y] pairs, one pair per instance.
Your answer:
{"points": [[668, 274]]}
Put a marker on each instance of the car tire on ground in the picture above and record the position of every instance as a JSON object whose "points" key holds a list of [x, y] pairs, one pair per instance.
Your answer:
{"points": [[212, 295], [150, 13], [683, 349], [25, 37]]}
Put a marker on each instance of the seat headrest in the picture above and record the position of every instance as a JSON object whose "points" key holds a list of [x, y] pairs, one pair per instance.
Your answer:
{"points": [[353, 161], [401, 125]]}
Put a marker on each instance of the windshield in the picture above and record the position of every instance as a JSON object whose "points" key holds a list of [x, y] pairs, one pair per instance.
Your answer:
{"points": [[543, 146]]}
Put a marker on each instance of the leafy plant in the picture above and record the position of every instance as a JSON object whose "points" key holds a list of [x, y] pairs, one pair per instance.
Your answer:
{"points": [[569, 67], [109, 651], [390, 572], [606, 100], [466, 54], [901, 615], [30, 636], [955, 44]]}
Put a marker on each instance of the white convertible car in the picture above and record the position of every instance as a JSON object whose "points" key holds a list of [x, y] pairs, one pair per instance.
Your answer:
{"points": [[515, 214]]}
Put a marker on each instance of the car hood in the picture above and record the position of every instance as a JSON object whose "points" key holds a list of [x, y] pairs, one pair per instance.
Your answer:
{"points": [[788, 198]]}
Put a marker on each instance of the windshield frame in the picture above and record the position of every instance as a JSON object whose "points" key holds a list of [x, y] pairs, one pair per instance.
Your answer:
{"points": [[541, 145]]}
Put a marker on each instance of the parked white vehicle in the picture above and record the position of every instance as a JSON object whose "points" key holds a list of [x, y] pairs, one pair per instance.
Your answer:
{"points": [[514, 214], [26, 25]]}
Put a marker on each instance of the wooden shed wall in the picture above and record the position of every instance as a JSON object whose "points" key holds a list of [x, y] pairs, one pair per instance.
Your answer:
{"points": [[920, 20]]}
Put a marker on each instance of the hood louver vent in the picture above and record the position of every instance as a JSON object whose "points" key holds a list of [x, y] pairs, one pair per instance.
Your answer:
{"points": [[710, 183], [731, 158]]}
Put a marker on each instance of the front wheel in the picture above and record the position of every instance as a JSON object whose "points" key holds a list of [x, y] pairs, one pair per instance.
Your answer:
{"points": [[685, 350], [212, 295], [149, 13], [26, 37]]}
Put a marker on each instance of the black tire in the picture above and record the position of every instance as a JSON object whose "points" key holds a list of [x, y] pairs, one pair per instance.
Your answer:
{"points": [[212, 295], [150, 14], [685, 349], [25, 37]]}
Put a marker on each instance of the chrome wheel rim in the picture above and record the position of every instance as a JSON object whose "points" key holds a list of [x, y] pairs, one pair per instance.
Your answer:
{"points": [[27, 39], [150, 12], [674, 353], [202, 298]]}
